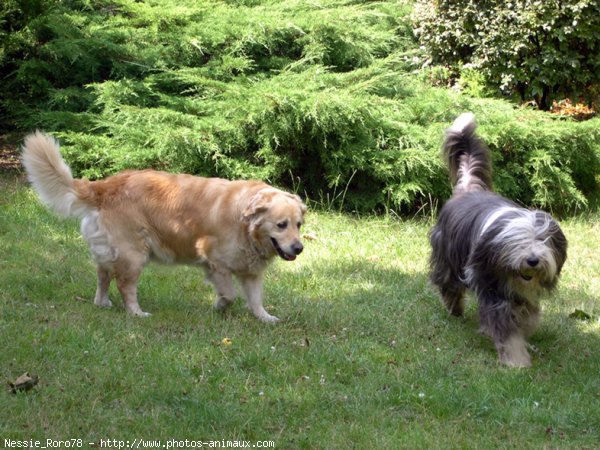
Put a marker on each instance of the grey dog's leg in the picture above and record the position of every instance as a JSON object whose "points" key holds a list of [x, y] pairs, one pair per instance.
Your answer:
{"points": [[498, 320], [453, 297], [512, 351]]}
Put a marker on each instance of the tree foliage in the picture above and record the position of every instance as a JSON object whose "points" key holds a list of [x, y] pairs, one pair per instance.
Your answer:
{"points": [[318, 97], [540, 49]]}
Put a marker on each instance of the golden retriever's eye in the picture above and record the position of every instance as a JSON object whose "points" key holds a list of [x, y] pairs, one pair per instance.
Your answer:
{"points": [[282, 225], [299, 225]]}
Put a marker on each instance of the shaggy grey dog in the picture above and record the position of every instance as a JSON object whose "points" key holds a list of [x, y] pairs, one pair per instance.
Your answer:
{"points": [[506, 254]]}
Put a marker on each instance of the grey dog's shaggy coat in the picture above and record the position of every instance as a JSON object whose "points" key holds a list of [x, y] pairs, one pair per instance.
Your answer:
{"points": [[506, 254]]}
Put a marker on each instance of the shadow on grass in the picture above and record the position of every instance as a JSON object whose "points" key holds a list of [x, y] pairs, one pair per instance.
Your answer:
{"points": [[560, 343], [357, 294]]}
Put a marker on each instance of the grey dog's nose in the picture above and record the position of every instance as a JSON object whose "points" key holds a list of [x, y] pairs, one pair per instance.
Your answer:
{"points": [[297, 248], [533, 261]]}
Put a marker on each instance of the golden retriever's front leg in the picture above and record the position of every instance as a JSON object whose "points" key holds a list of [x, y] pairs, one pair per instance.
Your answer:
{"points": [[223, 284], [253, 290]]}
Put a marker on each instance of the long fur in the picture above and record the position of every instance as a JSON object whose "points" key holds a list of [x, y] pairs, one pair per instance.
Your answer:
{"points": [[51, 177], [229, 228], [507, 255]]}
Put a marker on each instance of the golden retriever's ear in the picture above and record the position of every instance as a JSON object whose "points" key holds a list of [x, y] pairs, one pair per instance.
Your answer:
{"points": [[258, 204], [303, 207]]}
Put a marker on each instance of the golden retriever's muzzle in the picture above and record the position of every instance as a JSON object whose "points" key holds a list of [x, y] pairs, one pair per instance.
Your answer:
{"points": [[294, 250]]}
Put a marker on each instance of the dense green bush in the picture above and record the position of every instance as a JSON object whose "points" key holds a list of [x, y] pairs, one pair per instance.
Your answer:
{"points": [[319, 98], [540, 49]]}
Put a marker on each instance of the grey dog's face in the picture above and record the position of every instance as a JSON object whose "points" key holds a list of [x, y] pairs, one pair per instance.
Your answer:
{"points": [[533, 248]]}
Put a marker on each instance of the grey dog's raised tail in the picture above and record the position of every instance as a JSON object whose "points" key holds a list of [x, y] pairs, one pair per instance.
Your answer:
{"points": [[467, 157]]}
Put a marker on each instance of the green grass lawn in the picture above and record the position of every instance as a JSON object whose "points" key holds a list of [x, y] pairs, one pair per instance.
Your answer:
{"points": [[365, 355]]}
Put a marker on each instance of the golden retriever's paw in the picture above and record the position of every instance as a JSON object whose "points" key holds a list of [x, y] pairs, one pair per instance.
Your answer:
{"points": [[139, 313], [222, 304], [103, 303], [268, 318]]}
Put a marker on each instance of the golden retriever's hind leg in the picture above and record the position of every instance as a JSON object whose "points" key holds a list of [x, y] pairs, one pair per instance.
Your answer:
{"points": [[253, 290], [101, 298], [127, 284], [223, 284]]}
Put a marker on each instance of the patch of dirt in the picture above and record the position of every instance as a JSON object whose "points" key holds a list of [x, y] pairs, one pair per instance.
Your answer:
{"points": [[9, 153]]}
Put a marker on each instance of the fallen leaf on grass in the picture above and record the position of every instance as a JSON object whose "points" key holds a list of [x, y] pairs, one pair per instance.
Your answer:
{"points": [[310, 236], [226, 341], [580, 315], [24, 383]]}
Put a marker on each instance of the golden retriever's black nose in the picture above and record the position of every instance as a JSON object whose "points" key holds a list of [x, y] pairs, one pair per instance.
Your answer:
{"points": [[297, 248]]}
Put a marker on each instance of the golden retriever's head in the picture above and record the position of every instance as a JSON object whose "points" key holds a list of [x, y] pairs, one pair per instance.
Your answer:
{"points": [[274, 219]]}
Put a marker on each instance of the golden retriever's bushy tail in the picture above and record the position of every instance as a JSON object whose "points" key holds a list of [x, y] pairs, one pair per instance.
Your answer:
{"points": [[51, 177]]}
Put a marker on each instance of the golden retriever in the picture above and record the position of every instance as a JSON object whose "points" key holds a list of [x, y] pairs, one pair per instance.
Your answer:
{"points": [[226, 227]]}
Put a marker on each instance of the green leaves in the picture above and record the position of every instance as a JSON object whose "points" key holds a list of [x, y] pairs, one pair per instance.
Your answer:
{"points": [[323, 98], [539, 50]]}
